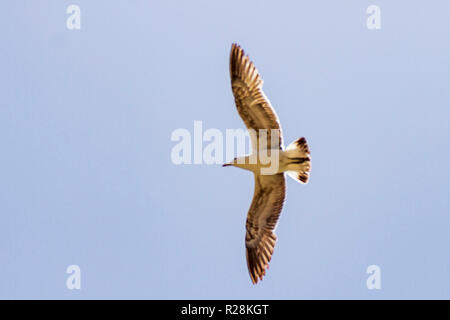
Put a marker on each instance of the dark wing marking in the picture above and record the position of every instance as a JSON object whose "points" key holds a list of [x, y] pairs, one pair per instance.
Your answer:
{"points": [[262, 219], [251, 102]]}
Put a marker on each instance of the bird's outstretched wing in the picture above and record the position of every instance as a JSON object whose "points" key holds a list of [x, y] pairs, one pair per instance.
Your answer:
{"points": [[251, 102], [262, 219]]}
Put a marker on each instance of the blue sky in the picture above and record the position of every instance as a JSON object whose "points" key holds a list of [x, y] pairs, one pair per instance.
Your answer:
{"points": [[86, 176]]}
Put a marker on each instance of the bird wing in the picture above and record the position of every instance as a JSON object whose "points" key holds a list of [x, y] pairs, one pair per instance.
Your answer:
{"points": [[251, 102], [262, 219]]}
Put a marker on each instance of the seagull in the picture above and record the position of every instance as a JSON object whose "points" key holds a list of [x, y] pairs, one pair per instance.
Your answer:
{"points": [[264, 127]]}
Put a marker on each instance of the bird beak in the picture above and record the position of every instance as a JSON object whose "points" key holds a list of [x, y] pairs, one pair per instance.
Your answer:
{"points": [[226, 164]]}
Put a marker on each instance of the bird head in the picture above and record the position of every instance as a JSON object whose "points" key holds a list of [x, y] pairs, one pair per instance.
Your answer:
{"points": [[231, 163]]}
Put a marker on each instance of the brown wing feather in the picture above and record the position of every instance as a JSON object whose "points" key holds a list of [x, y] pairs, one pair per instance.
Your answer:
{"points": [[252, 104], [268, 199]]}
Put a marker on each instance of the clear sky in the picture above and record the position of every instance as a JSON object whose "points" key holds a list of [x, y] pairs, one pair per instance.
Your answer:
{"points": [[86, 176]]}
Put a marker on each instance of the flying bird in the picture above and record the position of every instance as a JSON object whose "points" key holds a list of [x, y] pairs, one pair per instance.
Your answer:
{"points": [[266, 137]]}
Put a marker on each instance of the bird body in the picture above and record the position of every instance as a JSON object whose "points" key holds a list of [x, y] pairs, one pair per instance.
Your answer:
{"points": [[268, 162], [288, 161]]}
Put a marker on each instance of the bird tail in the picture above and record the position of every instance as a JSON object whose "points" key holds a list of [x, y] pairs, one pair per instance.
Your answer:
{"points": [[298, 160]]}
